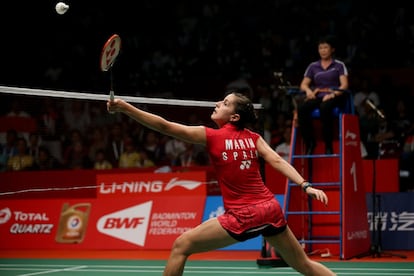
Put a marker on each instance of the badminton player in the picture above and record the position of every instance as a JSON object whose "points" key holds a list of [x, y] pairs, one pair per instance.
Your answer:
{"points": [[250, 207]]}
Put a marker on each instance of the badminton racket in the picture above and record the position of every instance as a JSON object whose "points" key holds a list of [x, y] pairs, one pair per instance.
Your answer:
{"points": [[109, 53]]}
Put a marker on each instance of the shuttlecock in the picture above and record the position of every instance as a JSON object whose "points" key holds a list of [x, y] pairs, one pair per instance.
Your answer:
{"points": [[61, 8]]}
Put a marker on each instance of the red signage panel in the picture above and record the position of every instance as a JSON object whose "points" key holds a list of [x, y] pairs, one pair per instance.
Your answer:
{"points": [[126, 219], [355, 230]]}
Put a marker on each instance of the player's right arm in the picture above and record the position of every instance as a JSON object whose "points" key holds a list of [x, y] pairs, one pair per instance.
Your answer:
{"points": [[190, 134], [284, 167]]}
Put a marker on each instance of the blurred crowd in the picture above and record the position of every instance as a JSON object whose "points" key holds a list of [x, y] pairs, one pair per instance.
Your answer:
{"points": [[196, 49], [81, 134], [189, 47]]}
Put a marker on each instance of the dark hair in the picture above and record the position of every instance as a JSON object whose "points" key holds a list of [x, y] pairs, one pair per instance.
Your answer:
{"points": [[328, 39], [44, 149], [245, 109]]}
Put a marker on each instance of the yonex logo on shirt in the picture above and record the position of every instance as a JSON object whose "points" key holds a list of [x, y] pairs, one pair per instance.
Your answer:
{"points": [[245, 164]]}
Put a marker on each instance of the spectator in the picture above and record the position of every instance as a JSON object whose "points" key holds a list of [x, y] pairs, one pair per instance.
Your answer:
{"points": [[401, 126], [22, 160], [403, 119], [77, 156], [74, 136], [115, 145], [381, 135], [8, 149], [16, 109], [153, 147], [130, 158], [145, 161], [407, 165], [50, 121], [173, 149], [278, 127], [97, 142], [188, 157], [76, 115], [46, 161], [365, 93], [34, 144], [283, 149], [101, 162]]}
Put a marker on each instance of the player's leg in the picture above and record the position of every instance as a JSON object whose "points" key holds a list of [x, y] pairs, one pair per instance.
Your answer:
{"points": [[305, 123], [290, 250], [207, 236], [327, 120]]}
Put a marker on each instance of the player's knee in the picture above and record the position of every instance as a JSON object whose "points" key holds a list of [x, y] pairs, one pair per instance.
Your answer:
{"points": [[182, 245]]}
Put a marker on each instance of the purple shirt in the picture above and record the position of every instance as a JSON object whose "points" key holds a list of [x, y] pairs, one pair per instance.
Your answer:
{"points": [[326, 78]]}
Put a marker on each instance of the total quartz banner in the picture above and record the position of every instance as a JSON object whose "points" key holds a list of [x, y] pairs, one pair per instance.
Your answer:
{"points": [[132, 221]]}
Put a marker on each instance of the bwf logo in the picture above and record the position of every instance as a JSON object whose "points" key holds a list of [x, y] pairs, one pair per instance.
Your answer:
{"points": [[129, 224]]}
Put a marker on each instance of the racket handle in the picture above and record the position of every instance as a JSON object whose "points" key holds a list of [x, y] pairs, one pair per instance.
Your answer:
{"points": [[111, 98]]}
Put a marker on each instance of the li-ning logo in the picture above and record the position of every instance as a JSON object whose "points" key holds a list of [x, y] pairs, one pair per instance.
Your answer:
{"points": [[352, 141], [5, 215], [130, 224], [350, 135], [153, 186], [187, 184]]}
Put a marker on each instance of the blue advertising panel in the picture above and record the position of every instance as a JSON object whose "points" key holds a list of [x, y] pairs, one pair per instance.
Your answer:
{"points": [[214, 207], [394, 220]]}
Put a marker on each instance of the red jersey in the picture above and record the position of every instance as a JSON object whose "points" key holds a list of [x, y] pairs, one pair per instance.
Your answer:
{"points": [[235, 158]]}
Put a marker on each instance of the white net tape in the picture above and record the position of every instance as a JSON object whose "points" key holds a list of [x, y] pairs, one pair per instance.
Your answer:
{"points": [[103, 97], [34, 190]]}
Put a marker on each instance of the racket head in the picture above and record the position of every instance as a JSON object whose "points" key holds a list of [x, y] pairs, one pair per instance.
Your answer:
{"points": [[110, 51]]}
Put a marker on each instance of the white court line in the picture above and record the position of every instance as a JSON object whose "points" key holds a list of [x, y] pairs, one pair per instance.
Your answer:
{"points": [[56, 270], [376, 269], [65, 266], [222, 270], [34, 265], [375, 273], [257, 272], [195, 270]]}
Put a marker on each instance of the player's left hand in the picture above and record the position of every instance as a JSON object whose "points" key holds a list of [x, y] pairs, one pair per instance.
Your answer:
{"points": [[317, 194]]}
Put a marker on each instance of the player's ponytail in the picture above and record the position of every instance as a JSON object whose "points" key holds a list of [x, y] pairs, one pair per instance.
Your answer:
{"points": [[245, 109]]}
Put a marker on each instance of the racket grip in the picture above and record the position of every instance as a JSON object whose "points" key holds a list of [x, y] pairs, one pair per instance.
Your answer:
{"points": [[111, 98]]}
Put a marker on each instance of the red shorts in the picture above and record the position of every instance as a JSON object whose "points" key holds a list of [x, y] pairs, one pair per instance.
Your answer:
{"points": [[264, 218]]}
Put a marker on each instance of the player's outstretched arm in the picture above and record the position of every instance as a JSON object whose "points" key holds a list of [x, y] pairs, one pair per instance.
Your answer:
{"points": [[191, 134], [281, 165]]}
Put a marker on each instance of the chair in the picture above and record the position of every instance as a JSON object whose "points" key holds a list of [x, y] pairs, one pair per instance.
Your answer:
{"points": [[318, 227]]}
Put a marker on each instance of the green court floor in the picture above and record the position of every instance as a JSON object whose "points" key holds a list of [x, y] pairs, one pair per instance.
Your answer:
{"points": [[27, 267]]}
